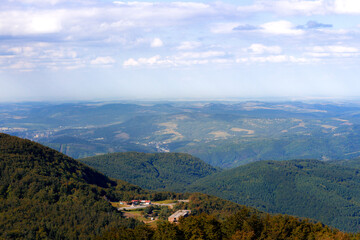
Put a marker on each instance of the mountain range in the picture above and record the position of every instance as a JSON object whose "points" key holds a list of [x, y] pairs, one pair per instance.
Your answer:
{"points": [[223, 134]]}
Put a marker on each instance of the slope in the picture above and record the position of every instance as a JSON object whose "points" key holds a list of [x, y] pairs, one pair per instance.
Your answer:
{"points": [[160, 171], [234, 222], [45, 194], [305, 188], [353, 163]]}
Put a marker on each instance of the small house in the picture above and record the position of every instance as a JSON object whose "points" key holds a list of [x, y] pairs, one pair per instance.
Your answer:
{"points": [[145, 202], [174, 218]]}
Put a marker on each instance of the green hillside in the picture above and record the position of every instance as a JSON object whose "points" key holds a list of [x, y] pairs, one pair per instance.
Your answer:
{"points": [[229, 153], [47, 195], [353, 163], [306, 188], [230, 222], [158, 171]]}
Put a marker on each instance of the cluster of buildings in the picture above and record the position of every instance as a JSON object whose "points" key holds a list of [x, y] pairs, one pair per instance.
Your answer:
{"points": [[136, 203], [174, 218]]}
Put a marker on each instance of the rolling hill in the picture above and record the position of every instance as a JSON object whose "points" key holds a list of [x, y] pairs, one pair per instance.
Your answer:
{"points": [[157, 171], [353, 163], [47, 195], [223, 134], [306, 188], [313, 189]]}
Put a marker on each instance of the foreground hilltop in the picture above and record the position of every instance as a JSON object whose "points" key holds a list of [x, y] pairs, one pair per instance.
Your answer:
{"points": [[45, 194]]}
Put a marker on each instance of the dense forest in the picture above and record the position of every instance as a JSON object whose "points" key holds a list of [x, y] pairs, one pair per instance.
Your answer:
{"points": [[47, 195], [353, 163], [241, 225], [305, 188], [158, 171]]}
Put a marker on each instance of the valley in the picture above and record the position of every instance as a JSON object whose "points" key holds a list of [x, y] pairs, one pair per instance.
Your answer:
{"points": [[224, 134]]}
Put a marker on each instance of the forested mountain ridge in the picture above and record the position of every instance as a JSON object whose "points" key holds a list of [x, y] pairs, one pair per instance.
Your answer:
{"points": [[306, 188], [47, 195], [157, 171], [353, 163]]}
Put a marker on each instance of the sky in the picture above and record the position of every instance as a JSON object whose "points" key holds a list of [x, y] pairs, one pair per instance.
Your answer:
{"points": [[62, 50]]}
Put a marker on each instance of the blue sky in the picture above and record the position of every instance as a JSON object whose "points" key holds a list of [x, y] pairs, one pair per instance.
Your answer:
{"points": [[109, 50]]}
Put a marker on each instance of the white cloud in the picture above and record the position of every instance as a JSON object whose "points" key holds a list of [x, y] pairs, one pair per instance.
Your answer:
{"points": [[207, 54], [318, 55], [333, 51], [80, 28], [102, 20], [291, 7], [156, 42], [24, 51], [347, 6], [192, 5], [257, 7], [58, 54], [224, 27], [38, 56], [273, 59], [22, 65], [188, 45], [103, 61], [130, 63], [280, 28], [261, 49], [149, 61], [25, 23], [182, 59], [159, 14], [222, 61], [305, 7], [40, 2], [166, 62], [93, 18], [143, 61], [277, 27], [191, 62], [220, 57]]}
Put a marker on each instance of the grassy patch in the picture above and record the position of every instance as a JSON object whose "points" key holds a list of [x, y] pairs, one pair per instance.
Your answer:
{"points": [[117, 205]]}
